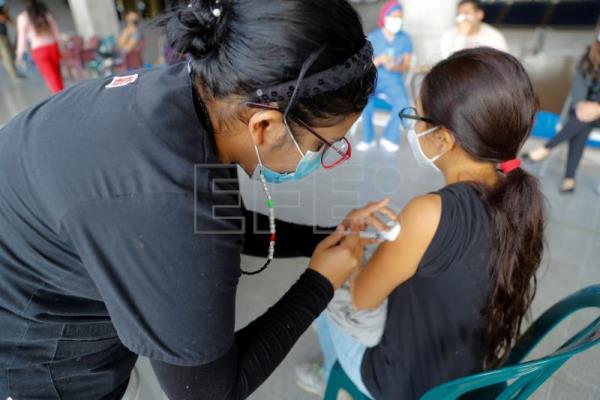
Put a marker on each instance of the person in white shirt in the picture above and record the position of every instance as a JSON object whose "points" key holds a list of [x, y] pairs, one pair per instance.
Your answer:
{"points": [[470, 31]]}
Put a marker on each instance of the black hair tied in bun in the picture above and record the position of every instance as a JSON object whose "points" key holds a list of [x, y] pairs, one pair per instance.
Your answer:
{"points": [[198, 29]]}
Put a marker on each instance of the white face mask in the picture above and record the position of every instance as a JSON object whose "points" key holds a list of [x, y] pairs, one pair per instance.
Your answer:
{"points": [[464, 18], [393, 24], [417, 150]]}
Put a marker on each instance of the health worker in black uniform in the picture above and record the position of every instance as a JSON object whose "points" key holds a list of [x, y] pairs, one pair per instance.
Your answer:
{"points": [[121, 228]]}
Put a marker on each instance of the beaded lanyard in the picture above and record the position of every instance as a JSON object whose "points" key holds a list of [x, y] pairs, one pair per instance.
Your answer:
{"points": [[322, 82], [271, 227]]}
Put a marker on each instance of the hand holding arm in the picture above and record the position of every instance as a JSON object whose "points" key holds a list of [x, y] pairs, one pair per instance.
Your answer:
{"points": [[258, 348], [261, 346]]}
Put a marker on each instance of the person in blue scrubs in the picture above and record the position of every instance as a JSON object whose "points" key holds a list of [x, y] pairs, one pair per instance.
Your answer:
{"points": [[393, 51]]}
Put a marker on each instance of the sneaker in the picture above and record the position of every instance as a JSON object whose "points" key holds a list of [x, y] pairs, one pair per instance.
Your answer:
{"points": [[389, 145], [537, 155], [568, 186], [309, 377], [364, 146]]}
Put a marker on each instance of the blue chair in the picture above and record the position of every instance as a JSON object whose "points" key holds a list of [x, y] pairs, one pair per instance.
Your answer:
{"points": [[524, 377], [338, 380], [545, 125]]}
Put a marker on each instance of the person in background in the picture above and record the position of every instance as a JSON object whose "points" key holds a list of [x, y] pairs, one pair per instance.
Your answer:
{"points": [[6, 51], [460, 277], [470, 31], [393, 52], [131, 37], [584, 115], [37, 27]]}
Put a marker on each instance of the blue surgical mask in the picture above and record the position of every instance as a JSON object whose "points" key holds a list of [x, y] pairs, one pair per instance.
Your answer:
{"points": [[309, 163]]}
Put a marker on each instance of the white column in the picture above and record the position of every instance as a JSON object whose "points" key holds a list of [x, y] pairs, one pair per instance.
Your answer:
{"points": [[95, 18], [426, 21]]}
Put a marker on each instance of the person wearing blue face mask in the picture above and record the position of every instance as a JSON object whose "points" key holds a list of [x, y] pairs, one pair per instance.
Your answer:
{"points": [[121, 225]]}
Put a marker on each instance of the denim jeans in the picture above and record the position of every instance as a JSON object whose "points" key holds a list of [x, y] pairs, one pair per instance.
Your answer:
{"points": [[395, 95]]}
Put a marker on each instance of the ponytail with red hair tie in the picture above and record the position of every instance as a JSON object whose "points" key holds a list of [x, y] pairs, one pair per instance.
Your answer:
{"points": [[509, 166]]}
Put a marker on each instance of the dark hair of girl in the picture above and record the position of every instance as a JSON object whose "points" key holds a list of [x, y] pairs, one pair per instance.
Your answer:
{"points": [[37, 12], [249, 45], [486, 99], [474, 3], [590, 62]]}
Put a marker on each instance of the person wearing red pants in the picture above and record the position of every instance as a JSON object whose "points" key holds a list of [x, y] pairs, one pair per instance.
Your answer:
{"points": [[37, 27]]}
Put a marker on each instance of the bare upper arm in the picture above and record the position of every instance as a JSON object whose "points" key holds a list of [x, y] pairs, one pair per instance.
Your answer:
{"points": [[395, 262]]}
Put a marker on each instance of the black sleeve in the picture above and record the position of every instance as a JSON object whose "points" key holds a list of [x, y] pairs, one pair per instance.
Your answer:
{"points": [[257, 350], [293, 240]]}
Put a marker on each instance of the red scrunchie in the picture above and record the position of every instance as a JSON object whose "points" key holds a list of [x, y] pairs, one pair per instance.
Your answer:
{"points": [[509, 166]]}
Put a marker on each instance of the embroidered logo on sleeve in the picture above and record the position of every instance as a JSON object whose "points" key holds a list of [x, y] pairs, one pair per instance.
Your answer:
{"points": [[120, 81]]}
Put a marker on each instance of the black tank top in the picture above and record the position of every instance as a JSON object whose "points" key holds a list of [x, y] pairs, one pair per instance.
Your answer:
{"points": [[433, 332]]}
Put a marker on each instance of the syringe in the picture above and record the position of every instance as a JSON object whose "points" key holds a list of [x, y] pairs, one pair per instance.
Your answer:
{"points": [[388, 236]]}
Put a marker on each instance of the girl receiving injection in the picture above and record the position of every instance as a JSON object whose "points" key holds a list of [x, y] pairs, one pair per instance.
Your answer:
{"points": [[460, 276]]}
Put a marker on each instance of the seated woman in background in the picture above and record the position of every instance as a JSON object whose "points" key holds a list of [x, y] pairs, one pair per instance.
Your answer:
{"points": [[460, 277], [393, 52], [584, 115]]}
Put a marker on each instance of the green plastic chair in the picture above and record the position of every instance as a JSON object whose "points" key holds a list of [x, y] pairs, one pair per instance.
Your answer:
{"points": [[525, 378], [338, 380]]}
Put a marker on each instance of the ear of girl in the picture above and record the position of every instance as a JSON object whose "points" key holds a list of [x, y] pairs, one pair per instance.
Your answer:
{"points": [[442, 141]]}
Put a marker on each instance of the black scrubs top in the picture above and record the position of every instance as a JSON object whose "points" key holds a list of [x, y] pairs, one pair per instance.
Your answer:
{"points": [[109, 244]]}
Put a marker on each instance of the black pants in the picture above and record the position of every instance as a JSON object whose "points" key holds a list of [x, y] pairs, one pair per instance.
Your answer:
{"points": [[577, 133]]}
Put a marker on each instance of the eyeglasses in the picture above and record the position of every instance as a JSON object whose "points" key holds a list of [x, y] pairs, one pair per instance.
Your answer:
{"points": [[409, 117], [332, 153]]}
